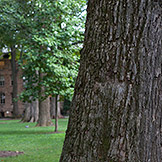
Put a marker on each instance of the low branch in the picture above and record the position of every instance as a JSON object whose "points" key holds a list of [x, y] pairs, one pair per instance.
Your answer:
{"points": [[77, 42]]}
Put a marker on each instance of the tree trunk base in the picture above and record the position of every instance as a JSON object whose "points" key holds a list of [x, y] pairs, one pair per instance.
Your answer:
{"points": [[44, 124]]}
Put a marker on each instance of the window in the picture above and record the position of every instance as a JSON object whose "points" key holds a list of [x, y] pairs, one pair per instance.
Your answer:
{"points": [[2, 80], [2, 98]]}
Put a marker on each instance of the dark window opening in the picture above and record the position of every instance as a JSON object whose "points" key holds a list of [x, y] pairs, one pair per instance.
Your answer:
{"points": [[2, 98], [2, 80], [2, 115]]}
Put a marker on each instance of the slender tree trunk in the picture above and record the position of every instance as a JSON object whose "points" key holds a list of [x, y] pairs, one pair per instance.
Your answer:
{"points": [[59, 107], [116, 112], [56, 113], [14, 79], [53, 107]]}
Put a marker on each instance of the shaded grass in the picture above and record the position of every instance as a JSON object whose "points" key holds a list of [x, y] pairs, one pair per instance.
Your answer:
{"points": [[39, 144]]}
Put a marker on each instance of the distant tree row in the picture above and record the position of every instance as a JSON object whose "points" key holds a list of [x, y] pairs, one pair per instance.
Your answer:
{"points": [[45, 38]]}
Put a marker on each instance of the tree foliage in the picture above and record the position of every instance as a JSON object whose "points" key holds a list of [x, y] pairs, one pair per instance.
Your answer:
{"points": [[50, 33], [49, 49]]}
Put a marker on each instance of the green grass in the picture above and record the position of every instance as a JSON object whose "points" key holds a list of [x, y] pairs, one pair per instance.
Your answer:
{"points": [[39, 144]]}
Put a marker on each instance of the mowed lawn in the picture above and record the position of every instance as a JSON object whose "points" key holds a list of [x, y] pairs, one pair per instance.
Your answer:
{"points": [[39, 144]]}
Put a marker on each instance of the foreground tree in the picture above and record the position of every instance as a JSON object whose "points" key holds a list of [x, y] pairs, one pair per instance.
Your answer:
{"points": [[116, 112]]}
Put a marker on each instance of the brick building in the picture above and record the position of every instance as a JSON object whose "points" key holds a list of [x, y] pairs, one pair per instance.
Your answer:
{"points": [[6, 106]]}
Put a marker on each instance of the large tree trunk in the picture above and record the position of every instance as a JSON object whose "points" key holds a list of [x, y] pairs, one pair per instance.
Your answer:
{"points": [[27, 113], [44, 108], [116, 112], [31, 112], [44, 113], [35, 111], [14, 79]]}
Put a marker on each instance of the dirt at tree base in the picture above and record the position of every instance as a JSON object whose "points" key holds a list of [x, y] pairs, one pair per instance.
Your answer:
{"points": [[10, 153]]}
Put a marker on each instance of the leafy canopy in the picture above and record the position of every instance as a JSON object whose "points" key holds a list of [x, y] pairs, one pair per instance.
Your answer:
{"points": [[54, 29], [49, 31]]}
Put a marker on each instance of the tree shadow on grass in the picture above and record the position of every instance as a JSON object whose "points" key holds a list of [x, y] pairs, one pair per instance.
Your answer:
{"points": [[28, 132]]}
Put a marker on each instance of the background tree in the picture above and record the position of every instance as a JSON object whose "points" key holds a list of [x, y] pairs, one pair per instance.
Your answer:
{"points": [[116, 108], [51, 49], [53, 107], [11, 33], [50, 32], [31, 113]]}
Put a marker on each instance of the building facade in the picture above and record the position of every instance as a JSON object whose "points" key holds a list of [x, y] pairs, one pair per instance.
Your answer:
{"points": [[6, 88]]}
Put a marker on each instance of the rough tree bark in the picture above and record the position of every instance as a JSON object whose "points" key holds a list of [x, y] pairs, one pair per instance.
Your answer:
{"points": [[31, 112], [14, 80], [116, 112]]}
